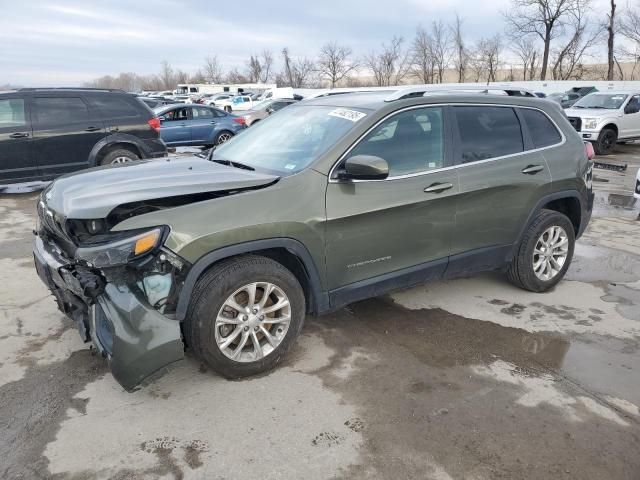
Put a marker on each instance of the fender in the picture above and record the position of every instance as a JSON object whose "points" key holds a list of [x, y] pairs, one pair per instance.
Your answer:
{"points": [[319, 298], [115, 138], [585, 214]]}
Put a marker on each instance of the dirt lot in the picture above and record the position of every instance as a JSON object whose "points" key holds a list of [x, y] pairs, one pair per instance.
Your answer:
{"points": [[470, 378]]}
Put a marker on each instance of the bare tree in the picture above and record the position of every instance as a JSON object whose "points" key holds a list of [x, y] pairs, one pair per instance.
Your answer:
{"points": [[567, 61], [391, 64], [488, 56], [297, 72], [212, 70], [544, 18], [335, 62], [166, 75], [254, 69], [460, 53], [267, 64], [234, 76], [441, 49], [611, 30], [422, 56], [527, 53]]}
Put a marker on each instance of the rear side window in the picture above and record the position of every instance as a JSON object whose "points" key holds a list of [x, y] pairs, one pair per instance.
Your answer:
{"points": [[113, 106], [54, 111], [543, 132], [488, 132], [201, 113], [12, 113]]}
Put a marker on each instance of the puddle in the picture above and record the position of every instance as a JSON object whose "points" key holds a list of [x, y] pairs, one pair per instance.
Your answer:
{"points": [[621, 200], [434, 397]]}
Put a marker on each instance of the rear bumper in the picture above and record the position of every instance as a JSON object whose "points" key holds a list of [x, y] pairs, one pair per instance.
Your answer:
{"points": [[137, 340], [154, 148]]}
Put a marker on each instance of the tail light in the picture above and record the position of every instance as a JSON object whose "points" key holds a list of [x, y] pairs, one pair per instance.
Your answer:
{"points": [[588, 148], [240, 120], [154, 123]]}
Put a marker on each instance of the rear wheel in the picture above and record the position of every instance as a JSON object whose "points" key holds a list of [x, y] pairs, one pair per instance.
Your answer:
{"points": [[223, 137], [545, 252], [606, 141], [120, 155], [245, 314]]}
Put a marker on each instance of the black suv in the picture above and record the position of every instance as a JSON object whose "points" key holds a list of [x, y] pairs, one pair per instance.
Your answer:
{"points": [[48, 132]]}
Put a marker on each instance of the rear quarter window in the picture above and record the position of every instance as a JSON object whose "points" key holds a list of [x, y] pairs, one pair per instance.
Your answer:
{"points": [[114, 106], [543, 132]]}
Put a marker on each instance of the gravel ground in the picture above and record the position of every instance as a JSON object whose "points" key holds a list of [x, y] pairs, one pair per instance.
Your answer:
{"points": [[470, 378]]}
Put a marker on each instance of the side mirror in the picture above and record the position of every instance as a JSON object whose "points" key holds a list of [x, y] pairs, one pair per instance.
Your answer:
{"points": [[632, 108], [162, 118], [366, 167], [270, 110]]}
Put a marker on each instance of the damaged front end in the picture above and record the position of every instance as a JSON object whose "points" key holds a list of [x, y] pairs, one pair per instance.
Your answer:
{"points": [[121, 290]]}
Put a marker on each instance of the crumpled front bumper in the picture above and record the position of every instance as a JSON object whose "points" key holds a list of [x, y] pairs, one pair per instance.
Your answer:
{"points": [[137, 340]]}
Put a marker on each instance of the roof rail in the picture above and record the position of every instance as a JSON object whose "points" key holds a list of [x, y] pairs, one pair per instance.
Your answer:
{"points": [[37, 89], [424, 90], [407, 92]]}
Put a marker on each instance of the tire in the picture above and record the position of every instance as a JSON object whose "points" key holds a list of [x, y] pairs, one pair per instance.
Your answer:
{"points": [[227, 109], [222, 137], [606, 141], [521, 271], [121, 155], [203, 333]]}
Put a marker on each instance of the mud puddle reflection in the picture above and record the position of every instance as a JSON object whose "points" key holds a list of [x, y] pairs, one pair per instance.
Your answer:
{"points": [[441, 394]]}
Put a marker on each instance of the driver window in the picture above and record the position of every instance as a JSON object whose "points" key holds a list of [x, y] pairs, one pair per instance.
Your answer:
{"points": [[410, 142], [634, 103]]}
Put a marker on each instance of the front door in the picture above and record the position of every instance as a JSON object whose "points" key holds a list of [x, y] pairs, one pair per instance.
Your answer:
{"points": [[175, 128], [630, 122], [17, 163], [65, 131], [502, 175], [387, 226]]}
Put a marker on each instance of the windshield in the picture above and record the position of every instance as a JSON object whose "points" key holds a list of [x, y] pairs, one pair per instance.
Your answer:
{"points": [[609, 101], [290, 140]]}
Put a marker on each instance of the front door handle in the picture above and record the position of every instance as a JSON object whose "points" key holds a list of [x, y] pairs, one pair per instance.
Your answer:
{"points": [[114, 129], [532, 169], [438, 187], [19, 135], [92, 129]]}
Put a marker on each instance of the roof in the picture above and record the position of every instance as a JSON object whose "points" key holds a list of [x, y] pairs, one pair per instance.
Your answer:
{"points": [[378, 100]]}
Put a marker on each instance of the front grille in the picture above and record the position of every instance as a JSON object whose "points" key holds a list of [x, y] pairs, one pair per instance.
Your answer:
{"points": [[576, 122]]}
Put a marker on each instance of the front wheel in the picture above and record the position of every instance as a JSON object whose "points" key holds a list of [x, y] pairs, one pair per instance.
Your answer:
{"points": [[245, 314], [545, 252], [606, 141]]}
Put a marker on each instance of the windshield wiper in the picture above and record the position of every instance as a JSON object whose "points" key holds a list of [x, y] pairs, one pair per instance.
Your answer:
{"points": [[233, 164]]}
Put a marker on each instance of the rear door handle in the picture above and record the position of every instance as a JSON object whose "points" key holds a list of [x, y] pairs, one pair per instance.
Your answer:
{"points": [[438, 187], [114, 129], [532, 169], [92, 129], [19, 135]]}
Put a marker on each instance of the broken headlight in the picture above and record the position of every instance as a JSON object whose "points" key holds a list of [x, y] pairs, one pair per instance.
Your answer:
{"points": [[122, 251]]}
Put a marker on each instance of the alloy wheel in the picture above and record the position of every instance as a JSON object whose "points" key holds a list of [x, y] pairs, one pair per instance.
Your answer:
{"points": [[223, 138], [550, 253], [252, 322], [120, 160]]}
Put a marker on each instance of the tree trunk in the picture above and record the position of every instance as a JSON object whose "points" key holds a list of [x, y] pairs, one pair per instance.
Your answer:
{"points": [[545, 54], [610, 41]]}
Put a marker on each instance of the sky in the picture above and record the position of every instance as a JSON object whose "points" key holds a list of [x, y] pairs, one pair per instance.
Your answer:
{"points": [[68, 42]]}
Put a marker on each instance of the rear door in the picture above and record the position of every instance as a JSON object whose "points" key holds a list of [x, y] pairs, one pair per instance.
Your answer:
{"points": [[65, 130], [202, 122], [381, 226], [17, 163], [175, 128], [502, 176]]}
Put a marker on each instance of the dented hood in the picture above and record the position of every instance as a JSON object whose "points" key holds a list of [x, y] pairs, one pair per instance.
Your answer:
{"points": [[94, 193]]}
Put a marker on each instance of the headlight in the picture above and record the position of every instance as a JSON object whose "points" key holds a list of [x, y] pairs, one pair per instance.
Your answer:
{"points": [[121, 251], [590, 123]]}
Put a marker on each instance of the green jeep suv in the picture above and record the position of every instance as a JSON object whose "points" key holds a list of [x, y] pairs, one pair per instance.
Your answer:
{"points": [[327, 202]]}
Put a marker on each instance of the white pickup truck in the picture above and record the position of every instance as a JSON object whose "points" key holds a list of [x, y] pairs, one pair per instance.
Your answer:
{"points": [[607, 118]]}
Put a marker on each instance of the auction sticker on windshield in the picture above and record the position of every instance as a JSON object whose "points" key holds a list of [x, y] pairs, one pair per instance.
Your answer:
{"points": [[351, 115]]}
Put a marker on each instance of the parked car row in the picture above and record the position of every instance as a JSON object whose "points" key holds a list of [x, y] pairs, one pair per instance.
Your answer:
{"points": [[47, 132]]}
